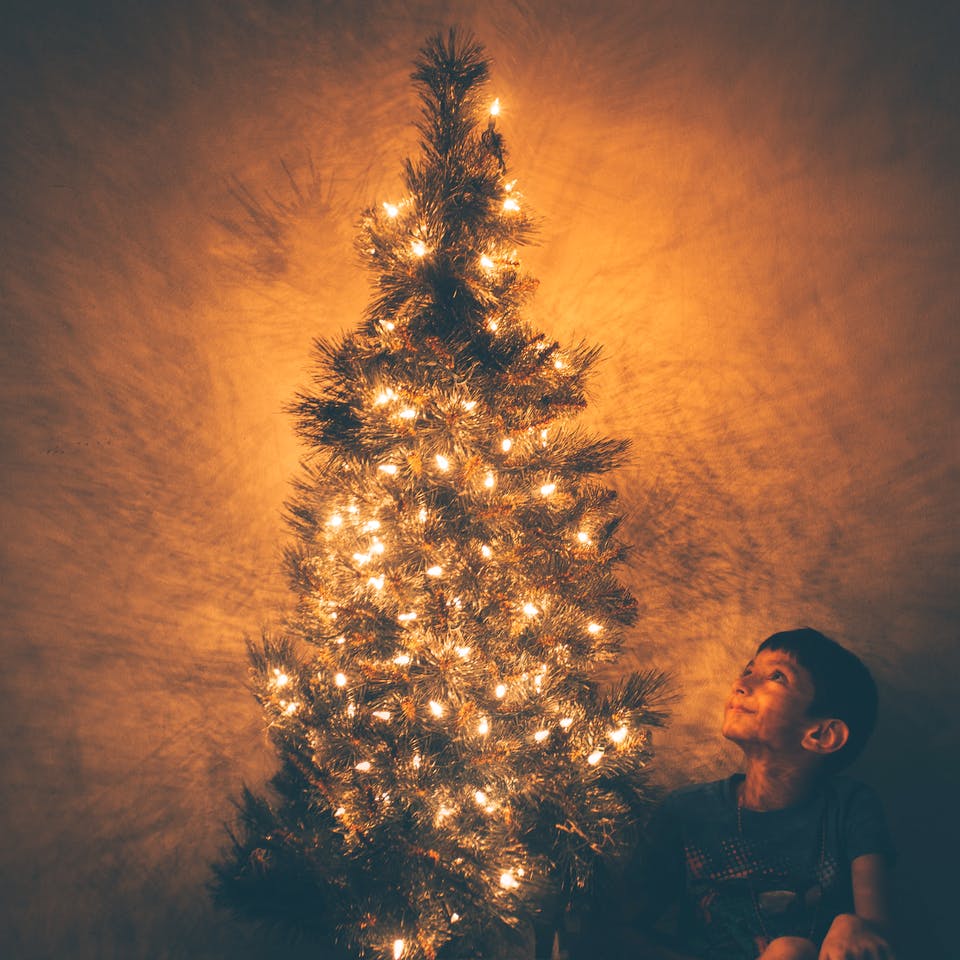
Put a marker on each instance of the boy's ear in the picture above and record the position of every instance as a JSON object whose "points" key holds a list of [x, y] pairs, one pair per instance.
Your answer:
{"points": [[826, 736]]}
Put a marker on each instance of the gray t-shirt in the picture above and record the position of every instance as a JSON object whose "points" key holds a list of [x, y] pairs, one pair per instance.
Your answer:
{"points": [[791, 865]]}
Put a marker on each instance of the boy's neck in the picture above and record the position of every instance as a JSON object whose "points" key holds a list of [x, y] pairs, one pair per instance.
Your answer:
{"points": [[772, 784]]}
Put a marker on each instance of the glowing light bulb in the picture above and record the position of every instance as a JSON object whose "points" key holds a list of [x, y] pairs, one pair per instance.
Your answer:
{"points": [[389, 468], [376, 582], [336, 520], [508, 881], [377, 546], [436, 708], [407, 617], [397, 949], [391, 209], [463, 652], [583, 536], [559, 364], [493, 326], [341, 639], [483, 727], [486, 551], [469, 404], [495, 108], [541, 735], [351, 709], [435, 571], [382, 714], [618, 736], [481, 798], [291, 708], [530, 610], [566, 723], [509, 186], [454, 917], [548, 488], [416, 761], [490, 481], [362, 558], [506, 445], [511, 205], [385, 396], [281, 678], [340, 679], [390, 325], [408, 414], [595, 757], [419, 248], [401, 660], [340, 811], [501, 691], [442, 462], [363, 766], [422, 515], [594, 628], [486, 262], [370, 525]]}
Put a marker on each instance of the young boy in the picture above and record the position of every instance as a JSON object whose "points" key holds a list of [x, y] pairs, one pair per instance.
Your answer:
{"points": [[788, 860]]}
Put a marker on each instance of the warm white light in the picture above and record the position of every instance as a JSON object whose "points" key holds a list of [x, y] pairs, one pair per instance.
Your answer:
{"points": [[340, 811], [291, 709], [495, 108], [351, 709], [595, 757], [389, 468], [419, 248], [422, 515], [408, 414], [416, 761], [336, 520], [385, 396], [618, 736], [480, 797], [340, 679], [363, 766], [391, 209], [435, 571], [377, 546], [511, 205], [382, 714], [390, 325], [583, 536], [566, 723], [402, 660], [483, 728], [442, 462], [541, 735], [486, 262], [397, 949], [341, 639], [407, 617], [509, 186], [486, 551], [436, 708], [454, 917], [506, 445], [370, 526], [594, 628], [469, 404], [463, 652], [501, 691], [530, 610], [559, 364], [548, 488], [493, 325], [281, 678], [508, 881], [490, 481], [376, 582], [362, 558]]}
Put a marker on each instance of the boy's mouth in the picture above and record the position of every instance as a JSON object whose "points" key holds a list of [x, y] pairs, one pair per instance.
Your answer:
{"points": [[738, 708]]}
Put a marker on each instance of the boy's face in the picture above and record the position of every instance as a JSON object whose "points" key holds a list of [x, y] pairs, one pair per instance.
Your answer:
{"points": [[768, 703]]}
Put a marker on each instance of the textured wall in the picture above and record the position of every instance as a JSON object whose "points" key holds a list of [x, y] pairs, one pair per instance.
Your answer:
{"points": [[754, 207]]}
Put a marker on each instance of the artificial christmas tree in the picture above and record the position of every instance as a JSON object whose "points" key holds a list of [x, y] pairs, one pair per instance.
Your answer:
{"points": [[449, 771]]}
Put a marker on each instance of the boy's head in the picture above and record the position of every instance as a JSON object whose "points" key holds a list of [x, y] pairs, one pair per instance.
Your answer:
{"points": [[803, 690]]}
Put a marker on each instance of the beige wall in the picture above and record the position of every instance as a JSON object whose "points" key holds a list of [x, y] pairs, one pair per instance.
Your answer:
{"points": [[754, 208]]}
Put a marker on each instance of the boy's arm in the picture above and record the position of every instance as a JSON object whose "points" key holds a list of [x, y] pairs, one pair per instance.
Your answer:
{"points": [[864, 935]]}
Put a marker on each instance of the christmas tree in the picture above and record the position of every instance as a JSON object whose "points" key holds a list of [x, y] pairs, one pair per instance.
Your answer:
{"points": [[449, 770]]}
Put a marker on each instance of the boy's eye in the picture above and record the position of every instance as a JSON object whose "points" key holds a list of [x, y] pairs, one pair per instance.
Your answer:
{"points": [[779, 676]]}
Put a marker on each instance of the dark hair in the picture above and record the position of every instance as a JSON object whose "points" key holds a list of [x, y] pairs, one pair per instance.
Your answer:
{"points": [[843, 687]]}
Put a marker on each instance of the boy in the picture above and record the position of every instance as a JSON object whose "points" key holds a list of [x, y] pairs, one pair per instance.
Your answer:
{"points": [[788, 860]]}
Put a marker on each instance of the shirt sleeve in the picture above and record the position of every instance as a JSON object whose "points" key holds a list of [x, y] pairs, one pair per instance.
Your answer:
{"points": [[659, 872], [865, 826]]}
